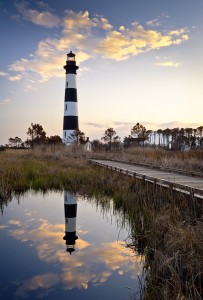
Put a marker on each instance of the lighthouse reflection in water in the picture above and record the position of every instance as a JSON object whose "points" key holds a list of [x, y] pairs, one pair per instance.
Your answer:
{"points": [[70, 211]]}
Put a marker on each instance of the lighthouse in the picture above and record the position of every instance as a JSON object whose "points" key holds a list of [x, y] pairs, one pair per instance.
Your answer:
{"points": [[70, 209], [70, 121]]}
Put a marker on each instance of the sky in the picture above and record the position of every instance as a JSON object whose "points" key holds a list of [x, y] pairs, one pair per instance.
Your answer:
{"points": [[139, 61]]}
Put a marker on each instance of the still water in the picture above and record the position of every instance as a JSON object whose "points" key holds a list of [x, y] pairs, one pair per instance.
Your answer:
{"points": [[62, 246]]}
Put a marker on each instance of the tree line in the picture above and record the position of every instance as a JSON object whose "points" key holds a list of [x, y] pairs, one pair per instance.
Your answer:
{"points": [[175, 138], [36, 136]]}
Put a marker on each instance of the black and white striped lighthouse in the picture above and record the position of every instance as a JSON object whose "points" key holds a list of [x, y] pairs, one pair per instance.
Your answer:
{"points": [[70, 121], [70, 209]]}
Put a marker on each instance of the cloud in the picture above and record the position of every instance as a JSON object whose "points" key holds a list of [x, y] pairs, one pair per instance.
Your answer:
{"points": [[44, 281], [85, 35], [43, 5], [5, 101], [3, 227], [120, 123], [169, 63], [97, 125], [120, 45], [3, 74], [153, 23], [75, 21], [10, 77], [157, 21], [15, 78], [15, 222], [175, 124], [44, 18], [102, 23], [178, 32]]}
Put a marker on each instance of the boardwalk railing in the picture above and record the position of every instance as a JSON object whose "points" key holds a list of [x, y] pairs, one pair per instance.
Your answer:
{"points": [[171, 182]]}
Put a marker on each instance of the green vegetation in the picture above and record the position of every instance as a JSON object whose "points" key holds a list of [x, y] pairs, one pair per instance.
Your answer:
{"points": [[167, 227]]}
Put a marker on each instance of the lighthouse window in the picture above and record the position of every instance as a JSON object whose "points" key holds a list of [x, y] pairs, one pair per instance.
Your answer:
{"points": [[66, 84], [66, 107], [65, 134]]}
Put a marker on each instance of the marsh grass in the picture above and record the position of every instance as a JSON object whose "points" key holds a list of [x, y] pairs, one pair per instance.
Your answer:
{"points": [[167, 227], [186, 161], [168, 230]]}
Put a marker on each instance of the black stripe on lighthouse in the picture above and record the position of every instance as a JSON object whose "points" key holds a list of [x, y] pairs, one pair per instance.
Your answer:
{"points": [[70, 123], [70, 210], [70, 95]]}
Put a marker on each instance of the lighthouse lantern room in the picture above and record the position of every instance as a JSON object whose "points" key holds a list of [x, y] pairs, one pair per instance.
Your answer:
{"points": [[70, 121]]}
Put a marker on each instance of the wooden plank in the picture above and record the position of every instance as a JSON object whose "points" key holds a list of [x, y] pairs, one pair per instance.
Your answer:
{"points": [[183, 183]]}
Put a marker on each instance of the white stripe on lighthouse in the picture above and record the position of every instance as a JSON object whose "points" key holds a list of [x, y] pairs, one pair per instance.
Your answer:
{"points": [[71, 81], [70, 224], [67, 135], [69, 198], [70, 109]]}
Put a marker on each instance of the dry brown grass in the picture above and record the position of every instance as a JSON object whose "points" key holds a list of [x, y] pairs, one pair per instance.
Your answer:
{"points": [[168, 230], [187, 161]]}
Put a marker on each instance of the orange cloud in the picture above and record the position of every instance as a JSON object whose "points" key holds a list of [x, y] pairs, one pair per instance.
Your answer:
{"points": [[120, 45]]}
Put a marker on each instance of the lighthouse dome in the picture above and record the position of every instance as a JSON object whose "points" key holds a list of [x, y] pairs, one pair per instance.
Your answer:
{"points": [[71, 55]]}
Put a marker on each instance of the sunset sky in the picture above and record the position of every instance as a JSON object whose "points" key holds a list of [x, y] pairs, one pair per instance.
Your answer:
{"points": [[139, 61]]}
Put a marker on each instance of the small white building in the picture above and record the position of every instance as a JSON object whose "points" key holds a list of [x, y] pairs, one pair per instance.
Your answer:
{"points": [[88, 145]]}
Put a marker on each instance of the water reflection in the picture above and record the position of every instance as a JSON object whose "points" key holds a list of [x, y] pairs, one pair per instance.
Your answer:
{"points": [[70, 211], [101, 267]]}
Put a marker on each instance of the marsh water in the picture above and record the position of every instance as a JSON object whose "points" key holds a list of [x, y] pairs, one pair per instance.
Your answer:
{"points": [[47, 253]]}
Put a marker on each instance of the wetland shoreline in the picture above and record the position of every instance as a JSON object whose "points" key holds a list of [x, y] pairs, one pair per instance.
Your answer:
{"points": [[167, 228]]}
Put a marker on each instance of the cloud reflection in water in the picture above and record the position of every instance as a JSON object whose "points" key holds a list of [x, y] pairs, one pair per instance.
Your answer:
{"points": [[91, 263]]}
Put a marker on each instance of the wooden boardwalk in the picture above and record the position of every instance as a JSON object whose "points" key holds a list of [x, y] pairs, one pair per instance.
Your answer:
{"points": [[190, 185]]}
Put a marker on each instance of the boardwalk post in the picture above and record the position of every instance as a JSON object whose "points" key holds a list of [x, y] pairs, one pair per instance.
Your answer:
{"points": [[192, 193], [155, 185], [143, 179]]}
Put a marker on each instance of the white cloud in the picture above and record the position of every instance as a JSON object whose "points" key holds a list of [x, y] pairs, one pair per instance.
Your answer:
{"points": [[157, 21], [169, 63], [10, 77], [3, 74], [15, 78], [153, 23]]}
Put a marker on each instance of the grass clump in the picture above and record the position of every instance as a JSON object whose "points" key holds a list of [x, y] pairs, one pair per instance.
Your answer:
{"points": [[168, 230]]}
